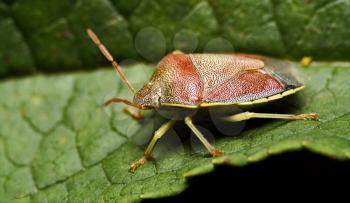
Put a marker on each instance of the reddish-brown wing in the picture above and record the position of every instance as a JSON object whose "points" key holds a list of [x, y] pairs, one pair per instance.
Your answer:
{"points": [[245, 86], [214, 69]]}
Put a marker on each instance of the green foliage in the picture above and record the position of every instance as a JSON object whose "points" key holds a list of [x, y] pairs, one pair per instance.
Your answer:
{"points": [[58, 143], [50, 35]]}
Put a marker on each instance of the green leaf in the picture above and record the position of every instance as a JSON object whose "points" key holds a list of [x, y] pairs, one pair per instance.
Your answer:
{"points": [[58, 143], [50, 35]]}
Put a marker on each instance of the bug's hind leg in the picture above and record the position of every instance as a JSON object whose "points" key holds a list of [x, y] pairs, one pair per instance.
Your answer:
{"points": [[157, 135], [248, 115], [214, 152]]}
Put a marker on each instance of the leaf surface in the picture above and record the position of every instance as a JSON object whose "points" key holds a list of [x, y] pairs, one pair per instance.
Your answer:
{"points": [[58, 143]]}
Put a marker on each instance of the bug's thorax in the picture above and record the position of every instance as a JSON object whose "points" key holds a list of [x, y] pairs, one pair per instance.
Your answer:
{"points": [[174, 81]]}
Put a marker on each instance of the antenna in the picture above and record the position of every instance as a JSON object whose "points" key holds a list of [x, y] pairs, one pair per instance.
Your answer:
{"points": [[109, 57]]}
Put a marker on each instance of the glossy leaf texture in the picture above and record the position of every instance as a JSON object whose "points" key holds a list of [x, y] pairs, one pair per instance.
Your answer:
{"points": [[50, 36]]}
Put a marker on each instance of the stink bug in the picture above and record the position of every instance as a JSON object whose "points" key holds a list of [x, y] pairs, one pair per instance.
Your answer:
{"points": [[205, 81]]}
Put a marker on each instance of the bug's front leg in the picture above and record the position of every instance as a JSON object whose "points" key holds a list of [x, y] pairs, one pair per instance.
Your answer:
{"points": [[248, 115], [213, 152], [157, 135], [138, 115]]}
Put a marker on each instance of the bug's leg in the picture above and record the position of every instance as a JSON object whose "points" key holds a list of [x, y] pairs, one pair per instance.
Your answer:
{"points": [[138, 115], [119, 100], [213, 152], [157, 135], [248, 115]]}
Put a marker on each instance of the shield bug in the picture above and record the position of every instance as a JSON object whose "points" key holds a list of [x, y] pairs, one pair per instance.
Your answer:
{"points": [[191, 81]]}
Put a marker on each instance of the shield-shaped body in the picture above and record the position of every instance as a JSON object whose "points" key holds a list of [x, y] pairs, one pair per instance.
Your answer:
{"points": [[192, 80]]}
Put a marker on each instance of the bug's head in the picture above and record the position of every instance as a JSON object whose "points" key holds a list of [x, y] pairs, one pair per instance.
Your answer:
{"points": [[148, 95]]}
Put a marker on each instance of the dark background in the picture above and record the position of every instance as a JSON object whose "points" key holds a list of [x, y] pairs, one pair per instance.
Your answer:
{"points": [[296, 176]]}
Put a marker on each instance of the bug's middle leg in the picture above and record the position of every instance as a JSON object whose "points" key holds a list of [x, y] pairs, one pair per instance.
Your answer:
{"points": [[248, 115], [157, 135], [214, 152]]}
